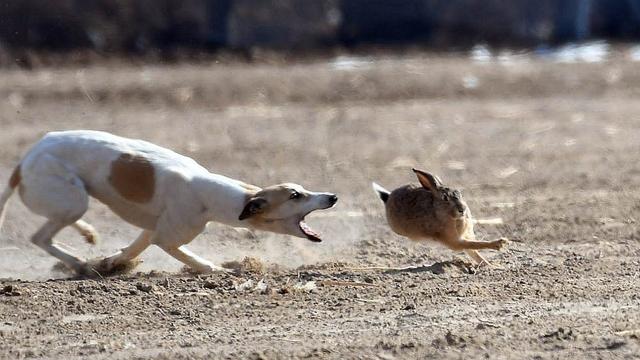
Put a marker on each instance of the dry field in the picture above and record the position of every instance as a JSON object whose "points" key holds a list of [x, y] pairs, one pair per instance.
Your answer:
{"points": [[550, 148]]}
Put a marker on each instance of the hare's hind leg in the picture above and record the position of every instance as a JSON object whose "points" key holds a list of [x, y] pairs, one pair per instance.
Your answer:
{"points": [[462, 244], [479, 259], [470, 247]]}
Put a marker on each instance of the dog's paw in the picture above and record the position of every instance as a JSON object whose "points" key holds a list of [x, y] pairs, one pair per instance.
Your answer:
{"points": [[110, 266]]}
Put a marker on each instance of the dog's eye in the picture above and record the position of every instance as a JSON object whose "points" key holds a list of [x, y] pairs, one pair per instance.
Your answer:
{"points": [[294, 195]]}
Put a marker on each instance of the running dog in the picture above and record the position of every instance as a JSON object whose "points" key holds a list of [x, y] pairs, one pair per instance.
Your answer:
{"points": [[170, 196]]}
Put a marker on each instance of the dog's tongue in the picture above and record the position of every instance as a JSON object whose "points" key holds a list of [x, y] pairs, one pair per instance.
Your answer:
{"points": [[311, 235]]}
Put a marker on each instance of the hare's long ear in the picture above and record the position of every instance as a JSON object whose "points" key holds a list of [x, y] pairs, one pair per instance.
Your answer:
{"points": [[428, 181]]}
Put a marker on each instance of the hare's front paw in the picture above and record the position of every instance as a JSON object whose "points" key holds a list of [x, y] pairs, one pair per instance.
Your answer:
{"points": [[501, 243]]}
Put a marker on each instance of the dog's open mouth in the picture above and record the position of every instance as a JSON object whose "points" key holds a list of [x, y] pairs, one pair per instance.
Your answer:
{"points": [[309, 233], [312, 235]]}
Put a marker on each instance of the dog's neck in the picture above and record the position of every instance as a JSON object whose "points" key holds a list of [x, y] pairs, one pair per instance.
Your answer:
{"points": [[224, 198]]}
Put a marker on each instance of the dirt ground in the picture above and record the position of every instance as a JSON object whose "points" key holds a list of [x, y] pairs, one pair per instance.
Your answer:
{"points": [[550, 148]]}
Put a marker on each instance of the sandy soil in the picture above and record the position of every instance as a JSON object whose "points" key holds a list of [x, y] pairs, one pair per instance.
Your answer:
{"points": [[550, 148]]}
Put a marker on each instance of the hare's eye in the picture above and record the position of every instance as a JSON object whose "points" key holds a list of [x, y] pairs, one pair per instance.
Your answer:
{"points": [[294, 195]]}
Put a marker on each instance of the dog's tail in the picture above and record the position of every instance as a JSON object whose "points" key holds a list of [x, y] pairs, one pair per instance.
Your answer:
{"points": [[14, 181], [382, 192]]}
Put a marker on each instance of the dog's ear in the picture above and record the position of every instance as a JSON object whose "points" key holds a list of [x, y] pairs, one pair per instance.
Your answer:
{"points": [[428, 181], [254, 206]]}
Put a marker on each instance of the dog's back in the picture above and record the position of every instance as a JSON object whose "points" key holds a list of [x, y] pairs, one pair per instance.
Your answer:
{"points": [[98, 158], [122, 173], [86, 151]]}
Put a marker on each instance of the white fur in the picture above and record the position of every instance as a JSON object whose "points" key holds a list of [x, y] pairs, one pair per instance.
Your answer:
{"points": [[63, 169], [4, 198]]}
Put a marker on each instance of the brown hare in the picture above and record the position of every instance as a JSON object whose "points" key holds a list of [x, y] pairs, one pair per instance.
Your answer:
{"points": [[434, 211]]}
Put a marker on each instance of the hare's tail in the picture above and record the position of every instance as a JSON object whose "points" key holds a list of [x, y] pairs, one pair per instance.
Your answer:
{"points": [[14, 181], [382, 192]]}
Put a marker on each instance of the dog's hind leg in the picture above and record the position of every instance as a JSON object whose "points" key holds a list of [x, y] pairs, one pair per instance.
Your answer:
{"points": [[43, 238], [49, 189]]}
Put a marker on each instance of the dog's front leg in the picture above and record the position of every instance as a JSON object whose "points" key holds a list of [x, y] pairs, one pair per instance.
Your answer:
{"points": [[124, 258], [175, 247], [192, 260], [176, 229]]}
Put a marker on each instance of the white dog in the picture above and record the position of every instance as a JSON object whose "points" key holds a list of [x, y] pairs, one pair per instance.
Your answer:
{"points": [[169, 195]]}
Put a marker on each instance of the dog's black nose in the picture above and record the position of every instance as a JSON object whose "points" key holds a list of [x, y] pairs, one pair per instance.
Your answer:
{"points": [[333, 198]]}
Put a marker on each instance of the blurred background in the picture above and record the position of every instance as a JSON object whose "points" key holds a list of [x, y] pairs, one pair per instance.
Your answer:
{"points": [[171, 29]]}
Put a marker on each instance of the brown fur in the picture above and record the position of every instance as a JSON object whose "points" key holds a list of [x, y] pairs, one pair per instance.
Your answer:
{"points": [[133, 176], [16, 177], [411, 212]]}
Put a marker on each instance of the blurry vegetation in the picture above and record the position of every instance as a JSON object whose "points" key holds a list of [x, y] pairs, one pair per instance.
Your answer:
{"points": [[165, 27]]}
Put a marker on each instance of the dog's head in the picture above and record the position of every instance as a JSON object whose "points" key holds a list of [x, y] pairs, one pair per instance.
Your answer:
{"points": [[282, 208]]}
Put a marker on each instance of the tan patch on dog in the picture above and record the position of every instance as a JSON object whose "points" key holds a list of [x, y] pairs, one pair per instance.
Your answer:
{"points": [[15, 179], [133, 176]]}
